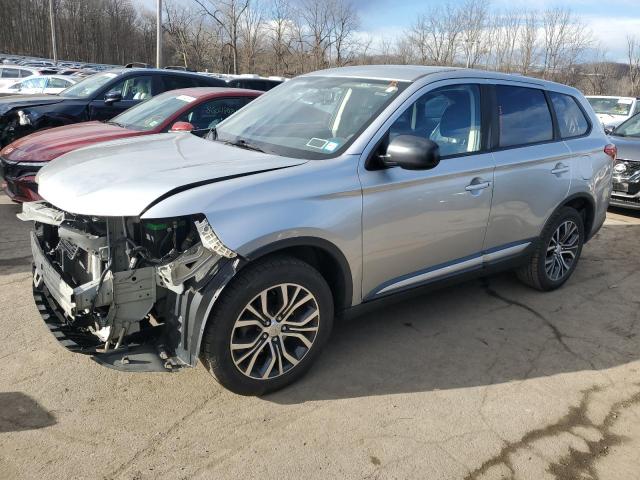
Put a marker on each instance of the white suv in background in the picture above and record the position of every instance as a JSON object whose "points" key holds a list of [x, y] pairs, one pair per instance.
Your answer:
{"points": [[10, 74], [612, 110]]}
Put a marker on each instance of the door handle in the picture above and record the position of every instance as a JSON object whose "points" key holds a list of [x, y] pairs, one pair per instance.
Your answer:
{"points": [[474, 187], [560, 168]]}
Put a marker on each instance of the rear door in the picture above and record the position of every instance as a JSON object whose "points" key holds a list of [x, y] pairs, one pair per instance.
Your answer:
{"points": [[533, 166]]}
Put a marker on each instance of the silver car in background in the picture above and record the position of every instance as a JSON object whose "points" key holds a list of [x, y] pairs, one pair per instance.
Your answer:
{"points": [[331, 192]]}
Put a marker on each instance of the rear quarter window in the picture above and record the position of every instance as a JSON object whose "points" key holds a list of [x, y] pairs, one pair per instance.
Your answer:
{"points": [[524, 116], [571, 119]]}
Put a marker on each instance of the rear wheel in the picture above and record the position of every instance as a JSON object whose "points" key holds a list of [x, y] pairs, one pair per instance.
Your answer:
{"points": [[268, 326], [557, 253]]}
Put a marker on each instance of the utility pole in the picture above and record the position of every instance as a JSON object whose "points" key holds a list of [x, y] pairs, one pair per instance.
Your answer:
{"points": [[53, 32], [159, 35]]}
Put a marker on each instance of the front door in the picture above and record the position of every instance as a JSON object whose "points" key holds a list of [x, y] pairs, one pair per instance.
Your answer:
{"points": [[419, 226], [132, 90]]}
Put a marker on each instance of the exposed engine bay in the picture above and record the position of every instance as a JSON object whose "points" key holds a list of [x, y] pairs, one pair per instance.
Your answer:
{"points": [[119, 283]]}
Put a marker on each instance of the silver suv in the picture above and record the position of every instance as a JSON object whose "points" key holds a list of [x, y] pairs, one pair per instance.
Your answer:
{"points": [[333, 190]]}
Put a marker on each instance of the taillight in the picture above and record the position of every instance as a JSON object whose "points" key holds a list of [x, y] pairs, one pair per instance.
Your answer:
{"points": [[611, 150]]}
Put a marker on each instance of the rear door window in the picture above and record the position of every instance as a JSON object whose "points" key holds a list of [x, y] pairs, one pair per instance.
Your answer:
{"points": [[10, 73], [571, 119], [175, 82], [524, 116]]}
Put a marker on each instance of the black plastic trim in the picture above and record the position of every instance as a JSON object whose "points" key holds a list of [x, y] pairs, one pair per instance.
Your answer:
{"points": [[315, 242]]}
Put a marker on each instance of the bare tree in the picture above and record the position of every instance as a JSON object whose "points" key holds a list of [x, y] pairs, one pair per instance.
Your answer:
{"points": [[317, 30], [597, 75], [228, 15], [565, 40], [436, 35], [633, 56], [528, 40], [280, 34], [503, 39], [344, 22], [251, 30], [472, 18]]}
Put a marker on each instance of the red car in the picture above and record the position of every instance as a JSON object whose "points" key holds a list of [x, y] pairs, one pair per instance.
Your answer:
{"points": [[192, 109]]}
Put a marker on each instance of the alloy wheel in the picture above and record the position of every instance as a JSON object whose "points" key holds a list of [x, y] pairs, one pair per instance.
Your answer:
{"points": [[275, 331], [562, 250]]}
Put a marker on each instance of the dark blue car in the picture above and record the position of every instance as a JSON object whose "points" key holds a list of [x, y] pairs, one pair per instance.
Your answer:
{"points": [[98, 97]]}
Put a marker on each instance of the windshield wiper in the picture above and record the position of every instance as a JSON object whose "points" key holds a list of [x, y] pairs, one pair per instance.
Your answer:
{"points": [[110, 122], [246, 145]]}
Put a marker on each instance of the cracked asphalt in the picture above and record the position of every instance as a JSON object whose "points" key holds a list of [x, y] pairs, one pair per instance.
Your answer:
{"points": [[484, 380]]}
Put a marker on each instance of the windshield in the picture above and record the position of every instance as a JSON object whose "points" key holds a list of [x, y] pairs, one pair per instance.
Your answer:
{"points": [[90, 85], [611, 105], [310, 117], [151, 113], [630, 128]]}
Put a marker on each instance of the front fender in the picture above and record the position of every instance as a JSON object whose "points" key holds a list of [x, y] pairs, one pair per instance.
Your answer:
{"points": [[320, 200]]}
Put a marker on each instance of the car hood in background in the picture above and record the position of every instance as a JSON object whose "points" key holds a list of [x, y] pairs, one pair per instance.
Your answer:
{"points": [[45, 145], [628, 147], [16, 101], [611, 121], [124, 177]]}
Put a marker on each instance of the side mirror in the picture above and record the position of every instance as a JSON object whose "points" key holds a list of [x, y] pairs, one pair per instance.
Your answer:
{"points": [[112, 97], [412, 153], [608, 130], [182, 127]]}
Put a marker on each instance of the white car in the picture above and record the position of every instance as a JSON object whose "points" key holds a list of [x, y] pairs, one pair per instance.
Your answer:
{"points": [[613, 110], [51, 84], [10, 74]]}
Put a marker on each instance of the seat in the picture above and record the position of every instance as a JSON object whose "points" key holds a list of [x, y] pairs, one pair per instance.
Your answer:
{"points": [[141, 87], [452, 134]]}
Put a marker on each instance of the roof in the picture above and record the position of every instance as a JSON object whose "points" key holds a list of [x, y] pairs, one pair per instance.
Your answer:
{"points": [[212, 92], [163, 71], [406, 73], [411, 73]]}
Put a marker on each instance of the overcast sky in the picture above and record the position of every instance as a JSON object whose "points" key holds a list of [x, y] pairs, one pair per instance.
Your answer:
{"points": [[610, 20]]}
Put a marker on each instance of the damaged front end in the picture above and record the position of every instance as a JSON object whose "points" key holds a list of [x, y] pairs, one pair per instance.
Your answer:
{"points": [[134, 294]]}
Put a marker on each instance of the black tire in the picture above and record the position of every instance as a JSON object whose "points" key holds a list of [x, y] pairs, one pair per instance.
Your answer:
{"points": [[266, 273], [534, 273]]}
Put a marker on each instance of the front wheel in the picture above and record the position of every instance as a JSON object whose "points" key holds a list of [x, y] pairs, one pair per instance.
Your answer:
{"points": [[557, 252], [268, 326]]}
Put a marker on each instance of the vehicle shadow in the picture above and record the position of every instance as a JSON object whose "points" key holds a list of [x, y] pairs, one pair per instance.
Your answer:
{"points": [[19, 412], [488, 331], [15, 252]]}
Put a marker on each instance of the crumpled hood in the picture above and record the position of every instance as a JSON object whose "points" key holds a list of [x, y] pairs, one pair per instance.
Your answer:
{"points": [[47, 144], [122, 178], [21, 101]]}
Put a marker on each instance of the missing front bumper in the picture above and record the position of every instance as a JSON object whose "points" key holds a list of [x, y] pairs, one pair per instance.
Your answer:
{"points": [[57, 302]]}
